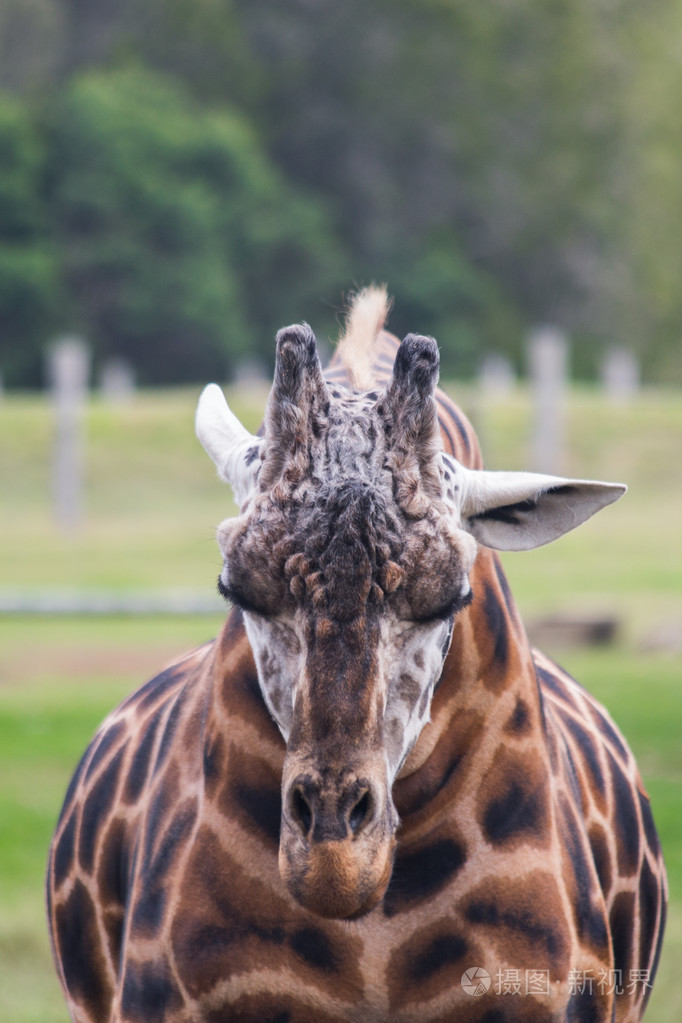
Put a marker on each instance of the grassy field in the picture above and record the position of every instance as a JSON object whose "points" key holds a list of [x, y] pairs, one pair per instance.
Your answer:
{"points": [[152, 504]]}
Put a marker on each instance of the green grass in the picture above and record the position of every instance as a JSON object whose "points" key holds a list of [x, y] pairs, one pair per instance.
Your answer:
{"points": [[153, 502]]}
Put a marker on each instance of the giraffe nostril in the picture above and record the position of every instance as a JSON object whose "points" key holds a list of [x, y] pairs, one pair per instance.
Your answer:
{"points": [[301, 811], [360, 812]]}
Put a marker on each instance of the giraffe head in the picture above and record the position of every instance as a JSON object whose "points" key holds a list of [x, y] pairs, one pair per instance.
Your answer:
{"points": [[350, 559]]}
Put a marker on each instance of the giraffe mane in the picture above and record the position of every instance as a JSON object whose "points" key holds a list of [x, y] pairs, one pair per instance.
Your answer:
{"points": [[366, 317]]}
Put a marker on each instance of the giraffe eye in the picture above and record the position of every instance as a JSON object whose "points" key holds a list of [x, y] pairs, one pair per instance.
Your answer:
{"points": [[236, 597], [447, 610]]}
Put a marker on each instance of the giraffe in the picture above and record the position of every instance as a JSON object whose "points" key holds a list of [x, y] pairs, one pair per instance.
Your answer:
{"points": [[368, 799]]}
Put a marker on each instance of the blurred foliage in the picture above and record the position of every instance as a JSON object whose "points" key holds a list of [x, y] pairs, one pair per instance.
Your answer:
{"points": [[176, 234], [201, 172], [28, 265]]}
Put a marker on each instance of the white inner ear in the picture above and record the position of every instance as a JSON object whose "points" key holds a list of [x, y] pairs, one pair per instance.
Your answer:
{"points": [[227, 442], [512, 511]]}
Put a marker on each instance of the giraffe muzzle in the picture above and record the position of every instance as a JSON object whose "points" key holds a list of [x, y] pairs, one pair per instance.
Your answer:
{"points": [[336, 843]]}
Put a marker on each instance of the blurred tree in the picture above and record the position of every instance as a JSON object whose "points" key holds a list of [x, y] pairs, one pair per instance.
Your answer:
{"points": [[32, 41], [649, 232], [27, 259], [202, 42], [498, 126], [499, 164], [441, 292], [176, 236]]}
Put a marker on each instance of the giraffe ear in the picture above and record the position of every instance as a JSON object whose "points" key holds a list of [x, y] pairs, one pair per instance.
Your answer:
{"points": [[232, 448], [518, 511]]}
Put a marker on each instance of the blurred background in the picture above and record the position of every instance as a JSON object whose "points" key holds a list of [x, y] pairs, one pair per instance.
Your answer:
{"points": [[179, 179]]}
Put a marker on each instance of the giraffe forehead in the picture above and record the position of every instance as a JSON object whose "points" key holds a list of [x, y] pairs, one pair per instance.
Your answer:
{"points": [[324, 547], [352, 441], [342, 549], [333, 532]]}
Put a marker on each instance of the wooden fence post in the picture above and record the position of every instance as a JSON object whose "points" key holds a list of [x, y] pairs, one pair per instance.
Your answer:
{"points": [[69, 365], [548, 363]]}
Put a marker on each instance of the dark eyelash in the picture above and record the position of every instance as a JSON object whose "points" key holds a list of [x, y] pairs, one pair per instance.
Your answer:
{"points": [[447, 611], [231, 595], [450, 609]]}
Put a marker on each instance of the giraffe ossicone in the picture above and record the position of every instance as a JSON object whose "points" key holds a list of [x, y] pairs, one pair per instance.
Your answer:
{"points": [[369, 788]]}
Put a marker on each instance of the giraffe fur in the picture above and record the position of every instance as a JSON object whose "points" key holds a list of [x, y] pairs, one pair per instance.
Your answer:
{"points": [[369, 783]]}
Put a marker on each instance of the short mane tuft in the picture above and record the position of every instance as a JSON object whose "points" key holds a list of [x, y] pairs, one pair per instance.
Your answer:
{"points": [[367, 314]]}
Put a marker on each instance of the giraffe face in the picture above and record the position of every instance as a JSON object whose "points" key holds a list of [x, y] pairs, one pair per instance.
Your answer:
{"points": [[349, 567], [349, 606]]}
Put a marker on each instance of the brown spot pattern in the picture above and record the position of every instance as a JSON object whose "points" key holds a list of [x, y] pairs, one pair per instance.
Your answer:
{"points": [[518, 829]]}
